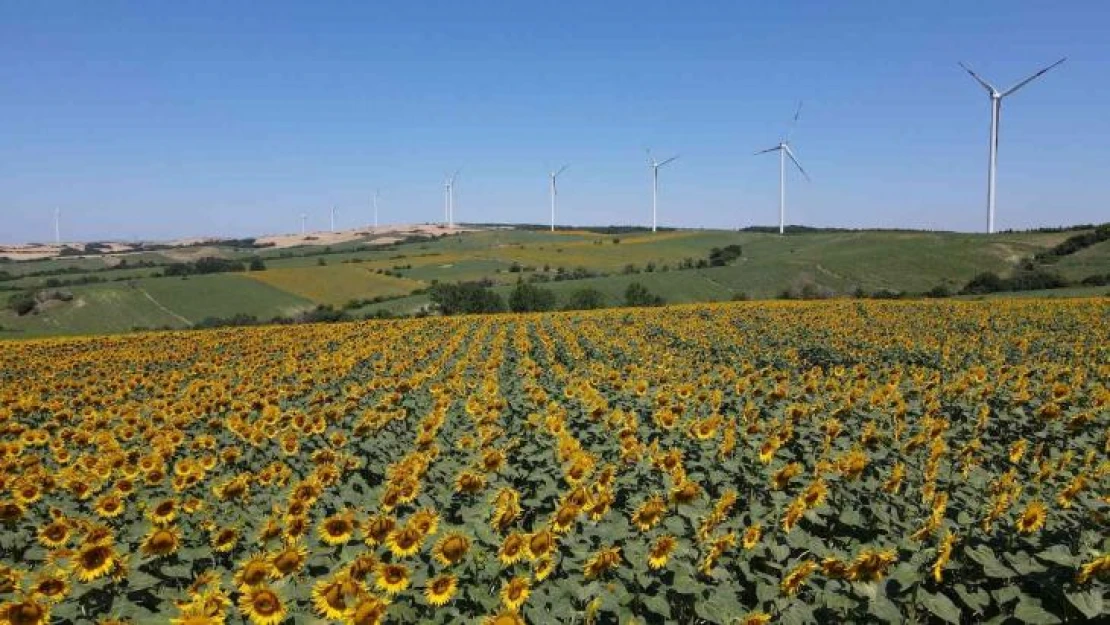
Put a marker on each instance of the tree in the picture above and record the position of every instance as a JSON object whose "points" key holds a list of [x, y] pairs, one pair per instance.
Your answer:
{"points": [[256, 264], [585, 299], [21, 303], [527, 297], [465, 298], [638, 295]]}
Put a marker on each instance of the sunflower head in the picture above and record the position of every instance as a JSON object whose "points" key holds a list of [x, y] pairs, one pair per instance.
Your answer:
{"points": [[289, 559], [1032, 518], [161, 541], [25, 612], [661, 550], [393, 578], [441, 590], [94, 561], [378, 528], [262, 605], [337, 529], [452, 548], [515, 592], [512, 549]]}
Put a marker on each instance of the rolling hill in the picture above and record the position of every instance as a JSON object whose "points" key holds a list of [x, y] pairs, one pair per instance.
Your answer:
{"points": [[367, 274]]}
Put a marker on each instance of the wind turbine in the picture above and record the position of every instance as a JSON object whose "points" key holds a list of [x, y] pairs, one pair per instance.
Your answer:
{"points": [[58, 226], [554, 192], [449, 199], [333, 211], [375, 209], [655, 167], [303, 218], [996, 110], [784, 151]]}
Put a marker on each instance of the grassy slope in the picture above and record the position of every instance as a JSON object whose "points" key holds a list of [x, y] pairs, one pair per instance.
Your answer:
{"points": [[1085, 262], [335, 284], [152, 303]]}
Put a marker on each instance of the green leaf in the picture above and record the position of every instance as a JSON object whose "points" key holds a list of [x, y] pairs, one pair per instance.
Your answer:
{"points": [[1005, 594], [1029, 610], [992, 566], [884, 609], [975, 599], [940, 606], [1058, 554], [1089, 603], [658, 605]]}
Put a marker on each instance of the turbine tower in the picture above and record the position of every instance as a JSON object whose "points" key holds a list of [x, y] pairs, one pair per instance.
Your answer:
{"points": [[554, 192], [303, 218], [375, 209], [333, 211], [655, 167], [58, 226], [784, 151], [996, 110], [449, 200]]}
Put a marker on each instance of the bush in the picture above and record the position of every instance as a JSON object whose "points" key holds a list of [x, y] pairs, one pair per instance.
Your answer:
{"points": [[527, 297], [585, 299], [939, 291], [1033, 280], [740, 297], [21, 303], [465, 298], [986, 282], [638, 295], [256, 264], [721, 256]]}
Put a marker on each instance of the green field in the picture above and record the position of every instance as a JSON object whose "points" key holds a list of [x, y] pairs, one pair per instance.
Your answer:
{"points": [[834, 263], [153, 303]]}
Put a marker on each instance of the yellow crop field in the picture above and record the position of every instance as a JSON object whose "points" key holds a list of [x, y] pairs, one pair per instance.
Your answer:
{"points": [[336, 284], [729, 463]]}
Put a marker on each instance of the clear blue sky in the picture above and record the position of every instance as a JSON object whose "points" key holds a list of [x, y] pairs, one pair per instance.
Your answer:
{"points": [[165, 119]]}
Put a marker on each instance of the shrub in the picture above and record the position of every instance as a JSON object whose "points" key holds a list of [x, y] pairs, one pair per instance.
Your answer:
{"points": [[585, 299], [638, 295], [465, 298], [21, 303], [527, 297], [721, 256]]}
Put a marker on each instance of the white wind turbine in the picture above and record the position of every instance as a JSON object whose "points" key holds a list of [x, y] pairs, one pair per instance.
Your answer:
{"points": [[449, 199], [655, 167], [303, 218], [376, 209], [996, 110], [784, 151], [554, 192], [333, 211], [58, 226]]}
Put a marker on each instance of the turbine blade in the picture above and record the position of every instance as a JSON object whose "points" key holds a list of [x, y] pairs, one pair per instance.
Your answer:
{"points": [[796, 163], [986, 85], [1032, 78], [562, 169], [794, 122], [673, 158], [766, 151]]}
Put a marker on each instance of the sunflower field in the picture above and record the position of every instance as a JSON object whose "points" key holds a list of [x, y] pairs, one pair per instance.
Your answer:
{"points": [[726, 463]]}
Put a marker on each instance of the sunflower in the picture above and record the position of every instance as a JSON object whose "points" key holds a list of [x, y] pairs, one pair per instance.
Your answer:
{"points": [[685, 492], [1098, 567], [426, 521], [755, 618], [25, 612], [649, 513], [161, 541], [441, 590], [1032, 518], [815, 493], [604, 560], [54, 534], [392, 578], [871, 565], [289, 559], [782, 477], [834, 568], [10, 511], [94, 561], [361, 566], [451, 548], [470, 482], [565, 518], [377, 529], [542, 568], [27, 493], [515, 592], [336, 529], [751, 536], [661, 550], [262, 605], [493, 460], [369, 610], [512, 549], [163, 512], [944, 553], [225, 540], [329, 597], [540, 544], [796, 577], [253, 571], [505, 617], [50, 586]]}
